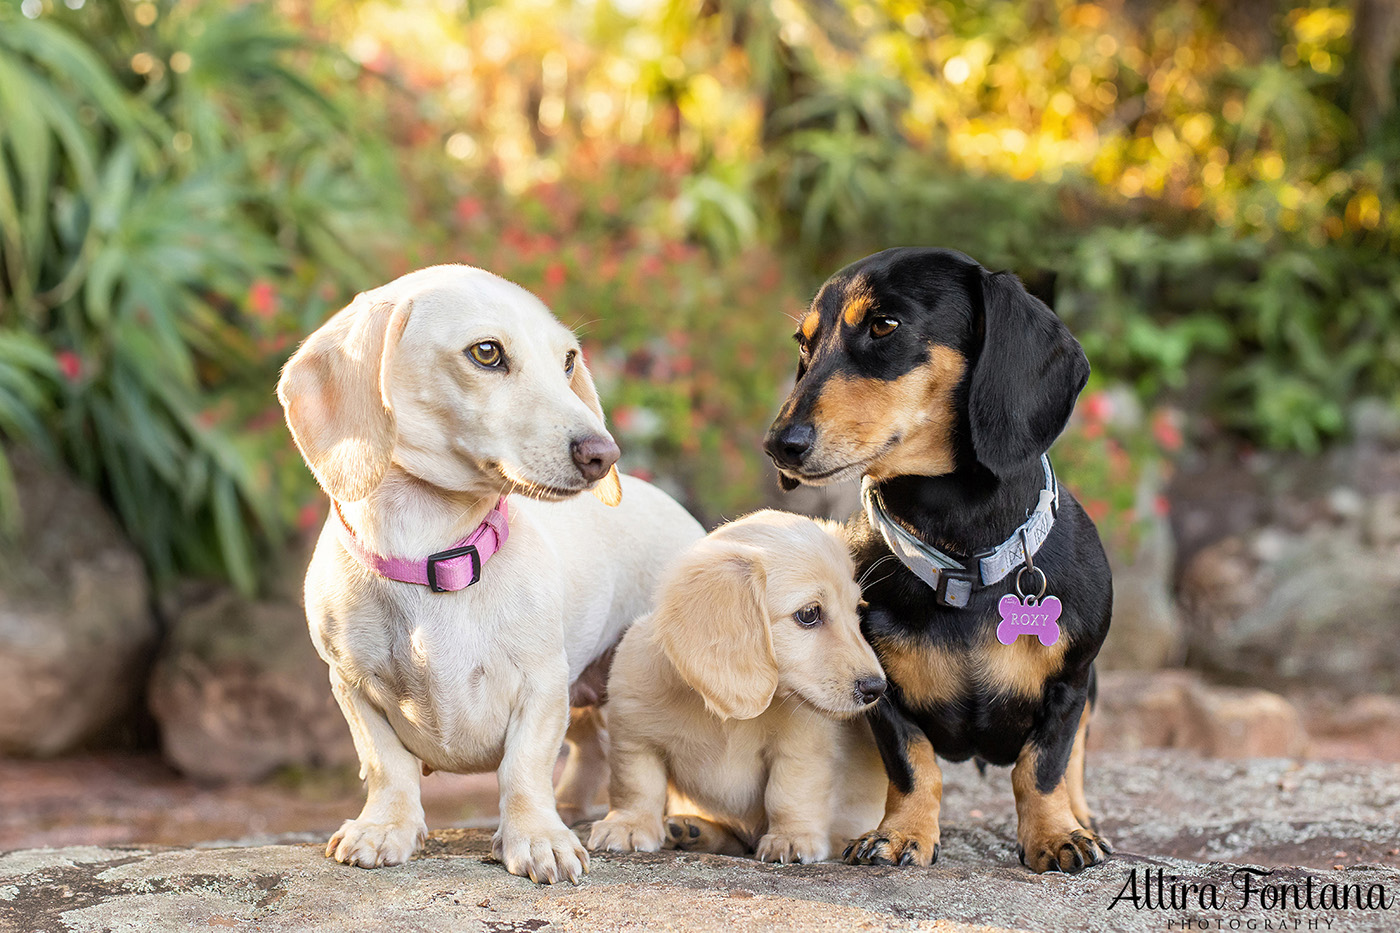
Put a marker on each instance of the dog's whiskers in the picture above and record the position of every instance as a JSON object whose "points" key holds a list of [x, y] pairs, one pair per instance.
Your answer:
{"points": [[871, 569]]}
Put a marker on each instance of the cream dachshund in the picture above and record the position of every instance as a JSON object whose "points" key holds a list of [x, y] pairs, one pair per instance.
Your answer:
{"points": [[454, 620], [734, 709]]}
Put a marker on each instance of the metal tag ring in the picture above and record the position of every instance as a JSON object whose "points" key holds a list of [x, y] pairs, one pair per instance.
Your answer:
{"points": [[1044, 583]]}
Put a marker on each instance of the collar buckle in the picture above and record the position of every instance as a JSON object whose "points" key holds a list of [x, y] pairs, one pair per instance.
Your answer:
{"points": [[955, 588], [468, 550]]}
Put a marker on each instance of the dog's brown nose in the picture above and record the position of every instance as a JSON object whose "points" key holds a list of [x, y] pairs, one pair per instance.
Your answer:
{"points": [[594, 456]]}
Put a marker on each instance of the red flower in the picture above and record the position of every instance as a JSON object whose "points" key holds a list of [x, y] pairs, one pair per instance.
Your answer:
{"points": [[1098, 407], [1165, 429], [555, 274], [262, 298], [1097, 509], [69, 364], [309, 516], [468, 209]]}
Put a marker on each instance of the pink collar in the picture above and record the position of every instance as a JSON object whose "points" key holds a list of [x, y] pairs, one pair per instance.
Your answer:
{"points": [[454, 569]]}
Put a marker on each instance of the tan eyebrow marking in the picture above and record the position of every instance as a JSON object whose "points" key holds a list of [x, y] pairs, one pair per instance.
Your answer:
{"points": [[810, 324], [858, 303], [856, 309]]}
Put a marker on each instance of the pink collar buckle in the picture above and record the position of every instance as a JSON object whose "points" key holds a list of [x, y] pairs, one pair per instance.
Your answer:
{"points": [[446, 571]]}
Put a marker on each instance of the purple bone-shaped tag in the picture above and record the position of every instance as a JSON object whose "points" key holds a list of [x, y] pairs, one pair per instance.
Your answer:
{"points": [[1029, 618]]}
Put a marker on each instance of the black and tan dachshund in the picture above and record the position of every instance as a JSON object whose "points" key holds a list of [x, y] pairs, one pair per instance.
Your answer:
{"points": [[943, 385]]}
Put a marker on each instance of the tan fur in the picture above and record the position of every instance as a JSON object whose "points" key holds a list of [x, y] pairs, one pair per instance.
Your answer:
{"points": [[335, 392], [810, 323], [926, 674], [930, 674], [859, 301], [909, 832], [722, 703], [1074, 774], [1021, 667], [1050, 835], [889, 427], [415, 443], [711, 639]]}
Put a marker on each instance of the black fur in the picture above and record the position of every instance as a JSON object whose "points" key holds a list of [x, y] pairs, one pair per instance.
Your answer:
{"points": [[1024, 372]]}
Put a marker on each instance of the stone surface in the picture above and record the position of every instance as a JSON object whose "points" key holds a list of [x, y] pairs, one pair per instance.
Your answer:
{"points": [[238, 690], [1365, 727], [1177, 709], [1146, 632], [76, 629], [1192, 818], [1314, 609]]}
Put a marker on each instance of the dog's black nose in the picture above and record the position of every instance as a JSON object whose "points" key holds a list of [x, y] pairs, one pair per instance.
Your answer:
{"points": [[870, 689], [790, 446], [594, 456]]}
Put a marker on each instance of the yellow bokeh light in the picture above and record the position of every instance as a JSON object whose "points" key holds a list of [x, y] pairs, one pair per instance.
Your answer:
{"points": [[957, 70]]}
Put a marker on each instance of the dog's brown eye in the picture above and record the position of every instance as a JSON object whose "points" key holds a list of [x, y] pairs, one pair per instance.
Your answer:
{"points": [[808, 616], [487, 353], [569, 359], [883, 326]]}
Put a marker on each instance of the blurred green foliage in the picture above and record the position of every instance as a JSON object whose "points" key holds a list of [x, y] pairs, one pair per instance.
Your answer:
{"points": [[161, 179], [185, 189]]}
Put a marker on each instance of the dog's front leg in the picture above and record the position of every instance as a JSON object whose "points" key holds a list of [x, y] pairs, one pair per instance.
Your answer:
{"points": [[636, 796], [533, 840], [1052, 836], [909, 833], [390, 828], [798, 802]]}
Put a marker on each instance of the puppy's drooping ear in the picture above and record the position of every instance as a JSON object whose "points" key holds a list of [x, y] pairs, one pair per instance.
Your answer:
{"points": [[712, 623], [609, 488], [1026, 379], [335, 393]]}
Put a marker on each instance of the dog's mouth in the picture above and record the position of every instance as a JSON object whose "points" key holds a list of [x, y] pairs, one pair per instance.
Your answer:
{"points": [[849, 710], [537, 489], [852, 470]]}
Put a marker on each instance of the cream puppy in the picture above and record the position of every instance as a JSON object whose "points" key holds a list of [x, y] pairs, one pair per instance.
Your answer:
{"points": [[417, 407], [732, 707]]}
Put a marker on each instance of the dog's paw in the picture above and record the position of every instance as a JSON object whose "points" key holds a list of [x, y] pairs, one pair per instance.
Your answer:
{"points": [[624, 832], [791, 848], [544, 856], [372, 845], [697, 834], [892, 847], [1069, 852]]}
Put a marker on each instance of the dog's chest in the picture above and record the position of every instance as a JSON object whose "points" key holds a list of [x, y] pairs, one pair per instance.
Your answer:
{"points": [[972, 694], [446, 676]]}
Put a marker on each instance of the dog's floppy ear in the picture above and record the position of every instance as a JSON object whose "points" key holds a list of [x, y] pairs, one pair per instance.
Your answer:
{"points": [[711, 622], [1026, 379], [334, 391], [609, 488]]}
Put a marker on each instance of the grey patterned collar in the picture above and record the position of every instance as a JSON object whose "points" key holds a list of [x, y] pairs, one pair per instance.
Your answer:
{"points": [[951, 579]]}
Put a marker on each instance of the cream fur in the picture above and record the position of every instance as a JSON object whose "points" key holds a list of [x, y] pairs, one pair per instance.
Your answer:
{"points": [[728, 716], [416, 442]]}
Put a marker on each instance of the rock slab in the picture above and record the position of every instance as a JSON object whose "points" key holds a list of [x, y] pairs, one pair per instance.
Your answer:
{"points": [[76, 628], [1191, 819]]}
